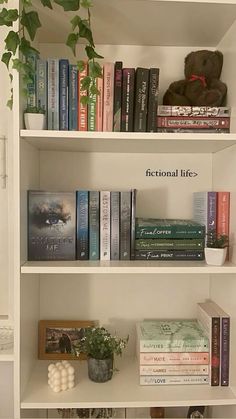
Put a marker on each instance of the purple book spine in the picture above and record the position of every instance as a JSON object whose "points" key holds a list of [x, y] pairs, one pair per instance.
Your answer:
{"points": [[211, 215], [225, 343]]}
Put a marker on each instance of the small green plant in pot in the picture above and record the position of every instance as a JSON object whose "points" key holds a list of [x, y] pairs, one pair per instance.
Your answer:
{"points": [[216, 249], [100, 347], [35, 118]]}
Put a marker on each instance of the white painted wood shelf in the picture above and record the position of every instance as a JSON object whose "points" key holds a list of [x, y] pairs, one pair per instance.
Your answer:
{"points": [[122, 142], [6, 356], [122, 391], [125, 267]]}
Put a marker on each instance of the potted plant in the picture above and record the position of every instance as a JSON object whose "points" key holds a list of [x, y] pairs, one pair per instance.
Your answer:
{"points": [[35, 118], [100, 347], [216, 249]]}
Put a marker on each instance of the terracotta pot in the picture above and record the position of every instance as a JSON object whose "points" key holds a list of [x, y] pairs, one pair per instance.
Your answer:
{"points": [[100, 370], [215, 256]]}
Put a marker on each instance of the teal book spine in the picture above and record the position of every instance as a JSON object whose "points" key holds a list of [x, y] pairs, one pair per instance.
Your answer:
{"points": [[31, 86], [94, 238], [82, 225]]}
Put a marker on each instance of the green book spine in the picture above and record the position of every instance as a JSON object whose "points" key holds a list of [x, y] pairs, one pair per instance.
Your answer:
{"points": [[92, 112], [178, 229], [163, 244]]}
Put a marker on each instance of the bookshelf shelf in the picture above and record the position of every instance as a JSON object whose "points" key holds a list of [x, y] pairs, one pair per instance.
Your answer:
{"points": [[6, 356], [121, 142], [122, 391], [125, 267]]}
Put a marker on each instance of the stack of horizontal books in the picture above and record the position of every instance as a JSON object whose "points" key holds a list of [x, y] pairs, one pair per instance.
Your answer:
{"points": [[193, 119], [171, 239], [172, 352]]}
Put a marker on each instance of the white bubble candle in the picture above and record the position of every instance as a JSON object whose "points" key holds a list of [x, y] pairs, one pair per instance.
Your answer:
{"points": [[61, 376]]}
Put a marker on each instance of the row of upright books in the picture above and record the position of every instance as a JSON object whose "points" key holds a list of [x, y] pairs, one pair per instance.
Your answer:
{"points": [[185, 351], [193, 119], [83, 225], [127, 99]]}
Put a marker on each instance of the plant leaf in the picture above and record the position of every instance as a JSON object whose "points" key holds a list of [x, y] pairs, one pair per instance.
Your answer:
{"points": [[84, 100], [75, 22], [12, 15], [47, 3], [95, 70], [27, 3], [3, 15], [94, 90], [26, 48], [6, 58], [12, 41], [31, 22], [10, 103], [85, 31], [85, 83], [69, 5], [91, 53], [80, 65], [3, 1], [72, 41], [86, 4]]}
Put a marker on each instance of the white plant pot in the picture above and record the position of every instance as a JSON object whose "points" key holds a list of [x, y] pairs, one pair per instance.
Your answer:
{"points": [[215, 256], [35, 121]]}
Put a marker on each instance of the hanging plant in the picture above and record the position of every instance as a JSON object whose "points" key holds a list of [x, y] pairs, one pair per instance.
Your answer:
{"points": [[29, 23]]}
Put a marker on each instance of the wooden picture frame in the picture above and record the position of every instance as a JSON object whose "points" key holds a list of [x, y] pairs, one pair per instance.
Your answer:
{"points": [[56, 338]]}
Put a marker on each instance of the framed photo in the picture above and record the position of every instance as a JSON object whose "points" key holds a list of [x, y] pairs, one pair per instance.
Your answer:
{"points": [[57, 338]]}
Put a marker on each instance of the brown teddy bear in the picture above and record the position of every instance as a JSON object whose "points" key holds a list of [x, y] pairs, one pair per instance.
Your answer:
{"points": [[201, 86]]}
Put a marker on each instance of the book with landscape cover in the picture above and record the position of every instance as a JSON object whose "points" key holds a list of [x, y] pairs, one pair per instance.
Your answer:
{"points": [[51, 225], [169, 255], [153, 93], [172, 244], [183, 335], [141, 99], [168, 228], [173, 358], [127, 107], [82, 209], [117, 96]]}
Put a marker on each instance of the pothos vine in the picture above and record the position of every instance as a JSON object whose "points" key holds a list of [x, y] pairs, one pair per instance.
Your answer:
{"points": [[22, 40]]}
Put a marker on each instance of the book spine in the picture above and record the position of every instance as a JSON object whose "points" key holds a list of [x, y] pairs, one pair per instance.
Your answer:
{"points": [[82, 225], [198, 345], [105, 225], [141, 99], [223, 211], [63, 95], [133, 217], [189, 122], [164, 244], [92, 110], [211, 213], [174, 370], [125, 224], [117, 96], [99, 105], [174, 358], [53, 94], [166, 380], [174, 232], [153, 100], [169, 255], [82, 109], [42, 80], [127, 106], [215, 353], [195, 130], [225, 348], [115, 225], [193, 111], [94, 225], [31, 86], [73, 97], [108, 96]]}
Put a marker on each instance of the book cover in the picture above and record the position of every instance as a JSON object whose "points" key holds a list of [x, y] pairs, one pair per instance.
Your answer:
{"points": [[115, 225], [73, 97], [127, 104], [153, 93], [94, 225], [193, 111], [173, 370], [141, 99], [184, 335], [99, 104], [133, 218], [174, 358], [51, 225], [170, 379], [63, 94], [82, 238], [171, 228], [205, 211], [31, 86], [117, 96], [190, 122], [172, 244], [82, 109], [125, 224], [105, 225], [42, 85], [108, 96], [210, 321], [92, 109], [169, 255], [53, 94]]}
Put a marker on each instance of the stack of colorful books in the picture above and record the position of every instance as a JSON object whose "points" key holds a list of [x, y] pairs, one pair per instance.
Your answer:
{"points": [[193, 119], [171, 239], [172, 352]]}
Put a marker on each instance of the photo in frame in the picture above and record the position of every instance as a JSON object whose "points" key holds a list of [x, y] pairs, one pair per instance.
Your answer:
{"points": [[58, 337]]}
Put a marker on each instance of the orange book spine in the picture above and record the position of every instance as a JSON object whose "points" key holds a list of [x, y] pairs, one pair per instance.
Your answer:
{"points": [[82, 109], [223, 213], [99, 107]]}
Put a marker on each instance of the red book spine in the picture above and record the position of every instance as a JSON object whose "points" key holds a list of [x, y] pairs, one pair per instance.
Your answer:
{"points": [[82, 109], [192, 122], [108, 96], [99, 107]]}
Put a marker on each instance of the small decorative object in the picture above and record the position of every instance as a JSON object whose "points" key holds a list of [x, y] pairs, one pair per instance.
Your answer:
{"points": [[157, 412], [202, 85], [216, 249], [61, 376], [196, 412], [35, 118], [100, 347]]}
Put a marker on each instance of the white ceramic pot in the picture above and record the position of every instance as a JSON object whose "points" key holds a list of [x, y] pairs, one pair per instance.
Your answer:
{"points": [[215, 256], [35, 121]]}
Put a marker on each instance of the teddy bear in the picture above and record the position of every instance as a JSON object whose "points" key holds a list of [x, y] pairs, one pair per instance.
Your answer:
{"points": [[202, 85]]}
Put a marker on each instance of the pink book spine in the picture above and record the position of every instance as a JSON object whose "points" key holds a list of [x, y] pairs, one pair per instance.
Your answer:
{"points": [[99, 107], [176, 358], [82, 109], [108, 96], [191, 369], [223, 213]]}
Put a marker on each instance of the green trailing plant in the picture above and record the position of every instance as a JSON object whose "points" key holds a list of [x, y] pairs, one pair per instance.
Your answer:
{"points": [[217, 241], [21, 40]]}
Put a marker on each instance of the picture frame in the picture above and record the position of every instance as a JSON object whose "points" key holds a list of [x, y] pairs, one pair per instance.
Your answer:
{"points": [[56, 338]]}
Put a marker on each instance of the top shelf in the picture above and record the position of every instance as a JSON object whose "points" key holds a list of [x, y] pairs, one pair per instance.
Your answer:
{"points": [[133, 142]]}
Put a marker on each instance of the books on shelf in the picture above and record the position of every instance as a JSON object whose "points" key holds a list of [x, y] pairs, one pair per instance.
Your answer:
{"points": [[171, 228]]}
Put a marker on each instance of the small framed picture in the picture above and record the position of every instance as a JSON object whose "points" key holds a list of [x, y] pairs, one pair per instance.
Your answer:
{"points": [[57, 338]]}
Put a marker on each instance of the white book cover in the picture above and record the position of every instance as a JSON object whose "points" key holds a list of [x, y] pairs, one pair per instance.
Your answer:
{"points": [[174, 370], [170, 379]]}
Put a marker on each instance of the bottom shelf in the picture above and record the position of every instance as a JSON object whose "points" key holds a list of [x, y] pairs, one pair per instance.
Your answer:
{"points": [[122, 391]]}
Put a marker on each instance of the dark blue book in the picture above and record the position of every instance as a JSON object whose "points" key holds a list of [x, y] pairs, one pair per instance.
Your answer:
{"points": [[51, 225], [133, 217], [94, 225], [73, 97], [125, 224], [63, 94], [82, 225], [153, 92]]}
